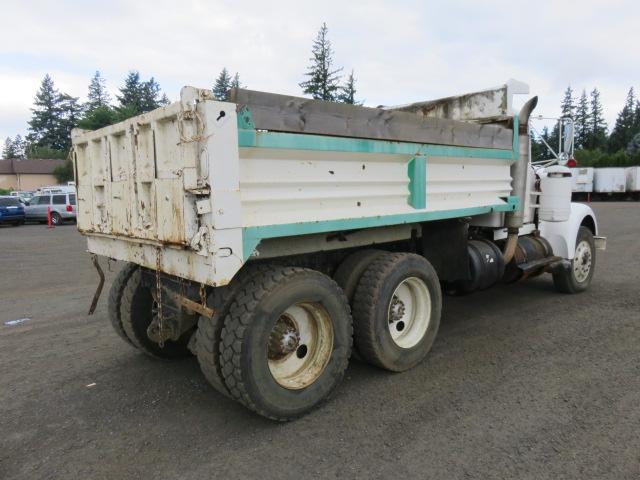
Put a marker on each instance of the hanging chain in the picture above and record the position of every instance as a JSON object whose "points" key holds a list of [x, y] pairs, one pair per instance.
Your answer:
{"points": [[203, 295], [159, 300]]}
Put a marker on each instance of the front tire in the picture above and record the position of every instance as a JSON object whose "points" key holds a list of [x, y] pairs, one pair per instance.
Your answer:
{"points": [[578, 277], [286, 342], [396, 311]]}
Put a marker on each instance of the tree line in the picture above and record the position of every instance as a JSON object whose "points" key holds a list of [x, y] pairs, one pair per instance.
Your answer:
{"points": [[594, 145], [54, 114]]}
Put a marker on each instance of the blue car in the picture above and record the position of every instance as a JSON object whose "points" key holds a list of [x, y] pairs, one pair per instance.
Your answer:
{"points": [[11, 211]]}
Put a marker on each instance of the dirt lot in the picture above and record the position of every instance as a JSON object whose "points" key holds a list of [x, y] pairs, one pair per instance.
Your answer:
{"points": [[522, 383]]}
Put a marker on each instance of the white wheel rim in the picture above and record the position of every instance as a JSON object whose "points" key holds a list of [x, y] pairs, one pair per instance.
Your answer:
{"points": [[300, 345], [409, 312], [582, 261]]}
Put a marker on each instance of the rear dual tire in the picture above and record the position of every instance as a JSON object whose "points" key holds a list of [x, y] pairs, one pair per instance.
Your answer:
{"points": [[286, 342], [396, 311], [131, 311]]}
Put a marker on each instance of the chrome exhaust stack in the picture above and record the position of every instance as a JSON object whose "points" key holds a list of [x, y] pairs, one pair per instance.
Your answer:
{"points": [[514, 219]]}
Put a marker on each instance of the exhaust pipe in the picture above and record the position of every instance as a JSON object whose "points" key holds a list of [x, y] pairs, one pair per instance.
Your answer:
{"points": [[514, 219]]}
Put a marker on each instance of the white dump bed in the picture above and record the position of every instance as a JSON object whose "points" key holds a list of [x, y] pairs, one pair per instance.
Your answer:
{"points": [[200, 187]]}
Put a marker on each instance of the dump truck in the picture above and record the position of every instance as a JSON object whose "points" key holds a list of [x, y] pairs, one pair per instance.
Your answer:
{"points": [[273, 237]]}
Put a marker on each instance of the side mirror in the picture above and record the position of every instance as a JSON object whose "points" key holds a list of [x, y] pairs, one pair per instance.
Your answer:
{"points": [[566, 140]]}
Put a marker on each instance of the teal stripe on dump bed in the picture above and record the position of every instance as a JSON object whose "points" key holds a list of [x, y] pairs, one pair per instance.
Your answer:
{"points": [[248, 138], [251, 236]]}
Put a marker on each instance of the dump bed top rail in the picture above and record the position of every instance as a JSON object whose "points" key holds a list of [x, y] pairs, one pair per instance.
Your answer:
{"points": [[283, 113]]}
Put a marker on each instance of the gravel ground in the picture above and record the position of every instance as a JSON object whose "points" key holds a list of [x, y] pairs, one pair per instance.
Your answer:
{"points": [[522, 382]]}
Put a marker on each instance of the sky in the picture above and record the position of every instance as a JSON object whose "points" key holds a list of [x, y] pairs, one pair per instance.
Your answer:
{"points": [[400, 51]]}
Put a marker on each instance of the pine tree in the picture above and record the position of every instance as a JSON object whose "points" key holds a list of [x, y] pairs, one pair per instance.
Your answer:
{"points": [[8, 151], [597, 126], [131, 93], [623, 130], [348, 91], [19, 147], [70, 112], [235, 83], [567, 108], [323, 79], [149, 95], [98, 95], [222, 85], [137, 96], [582, 121], [43, 126]]}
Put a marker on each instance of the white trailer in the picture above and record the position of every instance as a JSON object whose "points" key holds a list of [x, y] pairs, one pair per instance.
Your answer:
{"points": [[609, 180], [582, 179], [633, 179], [269, 234]]}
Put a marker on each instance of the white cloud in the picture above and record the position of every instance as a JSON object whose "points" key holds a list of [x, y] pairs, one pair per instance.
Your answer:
{"points": [[401, 51]]}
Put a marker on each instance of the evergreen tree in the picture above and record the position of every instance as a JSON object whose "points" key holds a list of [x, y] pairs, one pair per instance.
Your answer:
{"points": [[348, 91], [149, 95], [98, 95], [137, 96], [99, 117], [70, 112], [624, 128], [597, 127], [222, 85], [19, 147], [235, 83], [567, 108], [43, 126], [323, 79], [582, 121], [8, 151], [131, 93]]}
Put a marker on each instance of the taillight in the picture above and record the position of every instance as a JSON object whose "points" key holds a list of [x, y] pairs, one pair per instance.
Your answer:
{"points": [[69, 208]]}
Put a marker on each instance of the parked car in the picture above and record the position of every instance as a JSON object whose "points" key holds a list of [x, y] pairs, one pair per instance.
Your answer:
{"points": [[23, 196], [11, 210], [63, 207], [56, 189]]}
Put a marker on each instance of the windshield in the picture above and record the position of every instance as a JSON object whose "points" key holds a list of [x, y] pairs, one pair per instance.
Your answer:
{"points": [[9, 202]]}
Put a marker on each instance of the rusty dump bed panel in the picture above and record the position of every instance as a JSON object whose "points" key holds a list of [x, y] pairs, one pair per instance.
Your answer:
{"points": [[130, 180]]}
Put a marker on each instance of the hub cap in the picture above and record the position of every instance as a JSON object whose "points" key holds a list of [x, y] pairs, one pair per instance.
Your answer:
{"points": [[582, 261], [300, 345], [409, 312]]}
